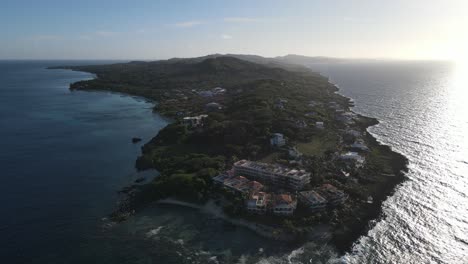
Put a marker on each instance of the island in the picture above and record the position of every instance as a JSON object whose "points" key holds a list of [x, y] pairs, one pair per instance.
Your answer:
{"points": [[270, 142]]}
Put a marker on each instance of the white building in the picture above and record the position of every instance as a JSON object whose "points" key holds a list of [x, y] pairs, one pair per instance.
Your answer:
{"points": [[319, 125], [277, 140], [194, 121], [354, 157], [359, 146], [274, 174], [258, 202]]}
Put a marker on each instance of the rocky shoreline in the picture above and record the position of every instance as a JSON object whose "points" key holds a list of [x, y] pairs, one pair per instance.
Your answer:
{"points": [[351, 227]]}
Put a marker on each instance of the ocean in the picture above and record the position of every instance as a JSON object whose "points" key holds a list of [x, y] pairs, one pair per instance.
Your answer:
{"points": [[423, 114], [65, 154]]}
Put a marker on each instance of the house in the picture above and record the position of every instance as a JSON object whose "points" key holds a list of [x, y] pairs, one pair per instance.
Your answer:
{"points": [[346, 117], [301, 124], [353, 157], [311, 114], [205, 93], [194, 121], [283, 204], [218, 90], [279, 103], [313, 200], [319, 125], [294, 153], [359, 146], [277, 140], [274, 174], [213, 106], [353, 133], [313, 103], [332, 194], [258, 202]]}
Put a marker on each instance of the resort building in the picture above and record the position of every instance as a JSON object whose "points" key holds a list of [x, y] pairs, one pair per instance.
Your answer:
{"points": [[194, 121], [258, 202], [277, 140], [238, 183], [313, 200], [273, 174], [283, 204], [331, 194]]}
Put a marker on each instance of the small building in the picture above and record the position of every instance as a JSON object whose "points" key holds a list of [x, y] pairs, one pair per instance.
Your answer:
{"points": [[353, 133], [258, 202], [359, 146], [313, 200], [300, 124], [277, 140], [319, 125], [205, 93], [213, 106], [279, 103], [332, 194], [218, 90], [353, 157], [283, 204], [294, 153], [194, 121]]}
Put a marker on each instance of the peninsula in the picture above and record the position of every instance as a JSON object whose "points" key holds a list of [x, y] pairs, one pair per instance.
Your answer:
{"points": [[269, 141]]}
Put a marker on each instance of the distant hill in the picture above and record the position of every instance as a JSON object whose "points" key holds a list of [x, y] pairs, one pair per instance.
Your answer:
{"points": [[305, 60], [191, 73]]}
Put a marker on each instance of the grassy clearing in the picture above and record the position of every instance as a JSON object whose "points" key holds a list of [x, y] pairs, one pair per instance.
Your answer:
{"points": [[319, 144]]}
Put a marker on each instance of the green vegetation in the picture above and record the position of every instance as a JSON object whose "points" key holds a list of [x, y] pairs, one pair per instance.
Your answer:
{"points": [[260, 99], [319, 144]]}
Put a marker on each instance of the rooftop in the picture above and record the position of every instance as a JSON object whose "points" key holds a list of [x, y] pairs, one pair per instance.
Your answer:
{"points": [[272, 168]]}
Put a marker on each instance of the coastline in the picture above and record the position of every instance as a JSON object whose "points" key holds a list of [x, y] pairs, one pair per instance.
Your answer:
{"points": [[343, 237]]}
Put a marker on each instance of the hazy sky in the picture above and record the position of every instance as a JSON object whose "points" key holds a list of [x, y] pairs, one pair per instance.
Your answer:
{"points": [[152, 29]]}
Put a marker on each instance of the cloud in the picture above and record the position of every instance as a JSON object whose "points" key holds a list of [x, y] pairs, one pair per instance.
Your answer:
{"points": [[226, 36], [188, 24], [241, 19]]}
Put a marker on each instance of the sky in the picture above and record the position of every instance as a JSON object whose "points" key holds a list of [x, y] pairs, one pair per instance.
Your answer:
{"points": [[151, 29]]}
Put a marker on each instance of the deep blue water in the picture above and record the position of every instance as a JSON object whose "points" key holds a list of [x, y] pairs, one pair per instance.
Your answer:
{"points": [[63, 156]]}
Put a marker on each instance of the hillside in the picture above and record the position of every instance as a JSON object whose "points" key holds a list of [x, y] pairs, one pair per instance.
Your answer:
{"points": [[243, 103], [180, 74]]}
